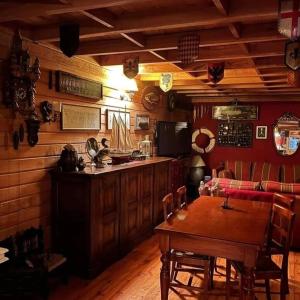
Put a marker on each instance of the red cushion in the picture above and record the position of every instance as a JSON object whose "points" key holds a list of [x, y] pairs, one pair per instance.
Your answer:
{"points": [[250, 195], [281, 187], [240, 169], [290, 173], [265, 171], [226, 183]]}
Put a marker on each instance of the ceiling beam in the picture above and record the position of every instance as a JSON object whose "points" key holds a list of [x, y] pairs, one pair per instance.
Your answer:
{"points": [[30, 10], [245, 11], [101, 16], [205, 54], [222, 6], [211, 37], [246, 98]]}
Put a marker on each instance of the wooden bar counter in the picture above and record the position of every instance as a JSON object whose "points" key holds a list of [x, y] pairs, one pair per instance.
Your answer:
{"points": [[100, 215]]}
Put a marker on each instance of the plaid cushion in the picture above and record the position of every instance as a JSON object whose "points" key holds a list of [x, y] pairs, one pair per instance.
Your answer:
{"points": [[281, 187], [240, 169], [265, 171], [226, 183], [290, 173]]}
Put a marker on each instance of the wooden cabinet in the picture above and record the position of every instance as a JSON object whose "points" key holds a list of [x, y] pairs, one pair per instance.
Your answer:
{"points": [[98, 217]]}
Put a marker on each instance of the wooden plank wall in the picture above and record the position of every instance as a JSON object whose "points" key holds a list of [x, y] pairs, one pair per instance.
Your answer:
{"points": [[25, 187]]}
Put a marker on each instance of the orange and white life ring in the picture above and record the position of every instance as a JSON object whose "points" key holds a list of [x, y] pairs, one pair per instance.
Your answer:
{"points": [[212, 140]]}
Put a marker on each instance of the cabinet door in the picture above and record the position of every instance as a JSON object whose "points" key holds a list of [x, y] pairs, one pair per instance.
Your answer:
{"points": [[161, 188], [105, 212], [146, 200], [129, 226]]}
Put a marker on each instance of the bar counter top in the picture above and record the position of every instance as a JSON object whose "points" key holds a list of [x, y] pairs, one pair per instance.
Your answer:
{"points": [[116, 168]]}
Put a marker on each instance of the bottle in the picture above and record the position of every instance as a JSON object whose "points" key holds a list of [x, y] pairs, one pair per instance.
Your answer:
{"points": [[201, 188]]}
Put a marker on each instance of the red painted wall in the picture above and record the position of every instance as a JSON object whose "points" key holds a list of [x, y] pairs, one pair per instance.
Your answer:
{"points": [[261, 150]]}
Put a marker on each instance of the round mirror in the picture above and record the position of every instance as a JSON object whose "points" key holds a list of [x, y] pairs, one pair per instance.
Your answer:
{"points": [[287, 134], [92, 148]]}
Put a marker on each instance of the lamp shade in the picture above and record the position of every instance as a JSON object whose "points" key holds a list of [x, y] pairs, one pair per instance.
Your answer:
{"points": [[197, 161]]}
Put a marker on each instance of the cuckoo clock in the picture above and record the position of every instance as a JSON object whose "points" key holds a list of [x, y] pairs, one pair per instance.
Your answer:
{"points": [[20, 87]]}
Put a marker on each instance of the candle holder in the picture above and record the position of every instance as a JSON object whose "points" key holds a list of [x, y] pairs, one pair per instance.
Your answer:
{"points": [[226, 200]]}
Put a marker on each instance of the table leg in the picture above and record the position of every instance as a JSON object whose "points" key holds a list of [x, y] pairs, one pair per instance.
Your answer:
{"points": [[248, 284], [165, 275]]}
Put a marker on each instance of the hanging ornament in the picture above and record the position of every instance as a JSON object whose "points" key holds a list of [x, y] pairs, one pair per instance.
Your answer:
{"points": [[131, 67], [166, 81], [292, 55], [69, 39], [215, 72], [289, 18], [188, 47], [293, 78]]}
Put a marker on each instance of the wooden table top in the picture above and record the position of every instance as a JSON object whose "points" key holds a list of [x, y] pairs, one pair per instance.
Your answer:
{"points": [[245, 223]]}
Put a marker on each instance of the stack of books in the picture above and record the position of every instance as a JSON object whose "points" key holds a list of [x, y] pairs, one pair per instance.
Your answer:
{"points": [[3, 258]]}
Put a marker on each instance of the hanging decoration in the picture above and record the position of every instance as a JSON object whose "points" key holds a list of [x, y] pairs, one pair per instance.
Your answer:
{"points": [[69, 38], [293, 78], [289, 19], [131, 67], [215, 72], [292, 55], [166, 81], [20, 87], [188, 47]]}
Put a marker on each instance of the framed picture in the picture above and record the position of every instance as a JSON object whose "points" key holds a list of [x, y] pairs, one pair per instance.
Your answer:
{"points": [[77, 117], [75, 85], [125, 116], [235, 112], [142, 122], [261, 132]]}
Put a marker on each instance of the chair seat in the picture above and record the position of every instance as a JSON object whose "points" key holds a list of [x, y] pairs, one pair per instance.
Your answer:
{"points": [[53, 261], [265, 268], [189, 258]]}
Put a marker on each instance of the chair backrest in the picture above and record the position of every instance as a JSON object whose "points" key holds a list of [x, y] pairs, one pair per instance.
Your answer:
{"points": [[281, 226], [168, 206], [181, 197], [284, 201]]}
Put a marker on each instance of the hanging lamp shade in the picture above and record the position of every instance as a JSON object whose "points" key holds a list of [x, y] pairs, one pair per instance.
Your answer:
{"points": [[215, 72], [188, 47], [289, 18]]}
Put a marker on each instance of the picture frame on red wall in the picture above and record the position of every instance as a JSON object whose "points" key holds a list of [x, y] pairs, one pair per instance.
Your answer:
{"points": [[261, 132]]}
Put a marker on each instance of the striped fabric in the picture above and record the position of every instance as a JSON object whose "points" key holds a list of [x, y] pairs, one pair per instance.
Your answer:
{"points": [[265, 171], [290, 173], [226, 183], [281, 187], [240, 169]]}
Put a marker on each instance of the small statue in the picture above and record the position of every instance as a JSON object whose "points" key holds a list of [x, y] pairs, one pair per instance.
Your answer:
{"points": [[68, 161]]}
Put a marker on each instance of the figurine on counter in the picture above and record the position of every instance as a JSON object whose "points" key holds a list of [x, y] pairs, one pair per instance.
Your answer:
{"points": [[69, 161]]}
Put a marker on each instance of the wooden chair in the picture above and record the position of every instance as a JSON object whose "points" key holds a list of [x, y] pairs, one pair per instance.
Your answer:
{"points": [[186, 261], [266, 269], [181, 197], [29, 268], [284, 201]]}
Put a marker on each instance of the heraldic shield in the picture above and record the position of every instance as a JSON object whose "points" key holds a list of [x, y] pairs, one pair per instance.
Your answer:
{"points": [[216, 72], [69, 39], [131, 67], [292, 55], [166, 81]]}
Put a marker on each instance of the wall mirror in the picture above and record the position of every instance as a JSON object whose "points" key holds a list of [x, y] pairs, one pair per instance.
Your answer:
{"points": [[287, 134]]}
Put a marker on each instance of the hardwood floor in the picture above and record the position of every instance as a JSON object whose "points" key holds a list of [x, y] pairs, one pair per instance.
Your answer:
{"points": [[136, 277]]}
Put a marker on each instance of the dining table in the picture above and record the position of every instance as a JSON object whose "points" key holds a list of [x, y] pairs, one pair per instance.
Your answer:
{"points": [[237, 232]]}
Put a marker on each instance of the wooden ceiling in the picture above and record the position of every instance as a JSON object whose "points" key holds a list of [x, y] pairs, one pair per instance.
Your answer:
{"points": [[242, 33]]}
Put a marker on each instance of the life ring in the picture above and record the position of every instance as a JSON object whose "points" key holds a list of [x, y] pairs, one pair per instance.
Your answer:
{"points": [[212, 140]]}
